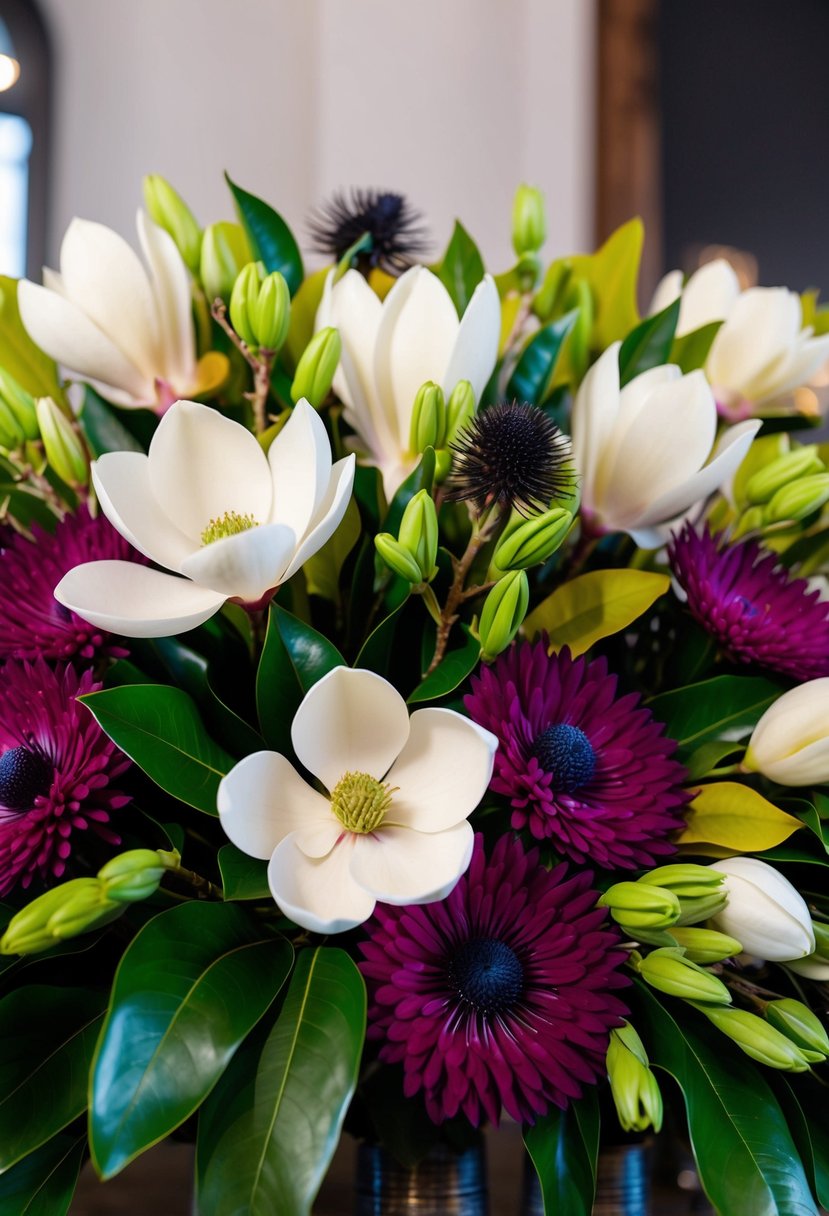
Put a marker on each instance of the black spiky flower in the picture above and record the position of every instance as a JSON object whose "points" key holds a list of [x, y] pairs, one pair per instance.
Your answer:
{"points": [[511, 454], [397, 235]]}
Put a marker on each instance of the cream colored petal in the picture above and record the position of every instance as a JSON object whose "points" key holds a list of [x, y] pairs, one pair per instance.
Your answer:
{"points": [[350, 721], [594, 416], [796, 720], [808, 766], [668, 289], [173, 304], [244, 566], [328, 516], [300, 462], [122, 483], [263, 799], [475, 351], [763, 323], [133, 600], [634, 395], [794, 368], [203, 466], [318, 894], [399, 866], [709, 295]]}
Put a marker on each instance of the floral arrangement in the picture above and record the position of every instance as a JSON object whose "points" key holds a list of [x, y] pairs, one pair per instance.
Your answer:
{"points": [[414, 708]]}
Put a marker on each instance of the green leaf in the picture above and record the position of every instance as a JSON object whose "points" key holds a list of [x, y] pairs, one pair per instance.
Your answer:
{"points": [[701, 712], [43, 1183], [268, 1158], [304, 314], [649, 344], [270, 237], [737, 818], [322, 569], [691, 350], [563, 1147], [243, 877], [420, 478], [278, 692], [706, 757], [808, 1126], [47, 1037], [33, 370], [451, 671], [312, 656], [189, 989], [160, 729], [744, 1151], [534, 371], [594, 606], [378, 648], [462, 267], [103, 431]]}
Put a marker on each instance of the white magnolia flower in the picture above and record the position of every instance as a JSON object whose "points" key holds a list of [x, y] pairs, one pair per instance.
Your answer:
{"points": [[764, 912], [390, 349], [392, 825], [646, 453], [207, 503], [126, 330], [761, 352], [790, 743]]}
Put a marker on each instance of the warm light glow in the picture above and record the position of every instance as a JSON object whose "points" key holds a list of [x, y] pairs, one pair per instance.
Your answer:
{"points": [[9, 72]]}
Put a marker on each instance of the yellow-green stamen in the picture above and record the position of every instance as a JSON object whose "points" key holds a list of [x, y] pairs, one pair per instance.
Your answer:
{"points": [[229, 524], [360, 803]]}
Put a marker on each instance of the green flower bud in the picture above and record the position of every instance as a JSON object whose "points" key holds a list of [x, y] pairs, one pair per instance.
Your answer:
{"points": [[170, 212], [12, 435], [136, 874], [397, 558], [798, 499], [701, 907], [20, 403], [549, 299], [752, 520], [224, 252], [757, 1038], [670, 971], [705, 945], [428, 425], [685, 879], [419, 533], [73, 907], [64, 448], [529, 225], [635, 906], [797, 1022], [460, 409], [581, 297], [503, 613], [316, 367], [243, 301], [271, 314], [764, 484], [532, 541], [634, 1088], [26, 932]]}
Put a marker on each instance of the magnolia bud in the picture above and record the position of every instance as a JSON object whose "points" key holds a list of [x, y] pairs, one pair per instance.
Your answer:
{"points": [[26, 932], [694, 909], [635, 906], [316, 368], [529, 225], [706, 945], [224, 252], [20, 403], [271, 314], [549, 299], [797, 1022], [243, 299], [634, 1088], [503, 613], [428, 425], [69, 909], [670, 971], [532, 541], [12, 435], [581, 297], [136, 875], [169, 210], [790, 743], [418, 533], [685, 879], [397, 558], [764, 484], [64, 448], [756, 1038], [460, 409], [764, 911], [798, 499]]}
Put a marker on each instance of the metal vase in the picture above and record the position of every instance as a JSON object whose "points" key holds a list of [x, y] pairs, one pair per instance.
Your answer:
{"points": [[442, 1184], [623, 1183]]}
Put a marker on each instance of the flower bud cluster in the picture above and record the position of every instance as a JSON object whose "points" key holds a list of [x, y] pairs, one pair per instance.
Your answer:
{"points": [[413, 553], [633, 1086], [669, 896], [779, 484], [260, 307]]}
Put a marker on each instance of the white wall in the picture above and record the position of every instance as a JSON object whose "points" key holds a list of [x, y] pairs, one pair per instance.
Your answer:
{"points": [[450, 101]]}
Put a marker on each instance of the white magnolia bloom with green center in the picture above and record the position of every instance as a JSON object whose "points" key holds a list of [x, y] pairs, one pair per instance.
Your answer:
{"points": [[125, 329], [648, 452], [761, 352], [391, 348], [209, 505], [392, 824]]}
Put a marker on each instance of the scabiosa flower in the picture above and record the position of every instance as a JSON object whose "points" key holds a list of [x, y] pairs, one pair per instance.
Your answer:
{"points": [[32, 622], [757, 612], [589, 770], [398, 237], [499, 996], [56, 766], [511, 454]]}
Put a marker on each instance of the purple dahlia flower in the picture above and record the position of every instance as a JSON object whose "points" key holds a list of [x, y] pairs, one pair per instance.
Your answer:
{"points": [[32, 623], [757, 612], [56, 765], [499, 996], [592, 771]]}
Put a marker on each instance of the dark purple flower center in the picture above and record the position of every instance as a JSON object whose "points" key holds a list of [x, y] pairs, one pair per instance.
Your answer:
{"points": [[23, 775], [567, 754], [487, 974]]}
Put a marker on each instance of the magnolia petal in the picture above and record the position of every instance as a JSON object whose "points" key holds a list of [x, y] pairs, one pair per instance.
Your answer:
{"points": [[709, 295], [173, 303], [763, 322], [329, 513], [319, 894], [476, 345], [244, 566], [634, 396], [135, 601], [808, 766], [350, 721], [668, 289], [593, 420], [443, 771], [263, 799], [794, 368], [400, 866], [122, 483], [300, 463], [203, 466]]}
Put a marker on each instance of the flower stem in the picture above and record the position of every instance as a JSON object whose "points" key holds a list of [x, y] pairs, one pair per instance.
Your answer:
{"points": [[261, 364], [457, 593], [203, 886]]}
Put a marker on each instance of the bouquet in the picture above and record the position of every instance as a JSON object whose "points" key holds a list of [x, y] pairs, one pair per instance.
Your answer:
{"points": [[413, 708]]}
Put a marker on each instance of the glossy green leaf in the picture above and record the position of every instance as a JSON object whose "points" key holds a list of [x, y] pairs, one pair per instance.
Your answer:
{"points": [[807, 813], [268, 1157], [378, 648], [691, 350], [270, 237], [243, 877], [707, 756], [322, 569], [594, 606], [563, 1147], [312, 656], [420, 478], [451, 671], [744, 1151], [729, 705], [43, 1183], [536, 366], [161, 730], [189, 989], [462, 267], [47, 1037], [31, 367], [103, 430], [278, 691], [803, 1100], [649, 344]]}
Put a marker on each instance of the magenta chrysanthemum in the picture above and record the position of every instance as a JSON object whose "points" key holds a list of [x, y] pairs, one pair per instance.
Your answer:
{"points": [[32, 623], [751, 605], [580, 766], [56, 765], [499, 996]]}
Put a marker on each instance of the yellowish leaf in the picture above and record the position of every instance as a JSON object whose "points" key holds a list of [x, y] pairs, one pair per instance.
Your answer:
{"points": [[594, 606], [736, 817], [303, 314]]}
